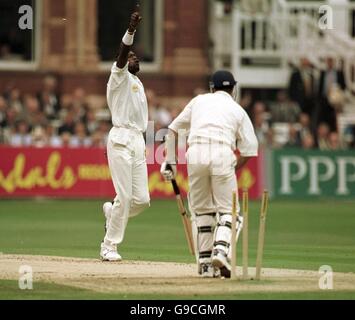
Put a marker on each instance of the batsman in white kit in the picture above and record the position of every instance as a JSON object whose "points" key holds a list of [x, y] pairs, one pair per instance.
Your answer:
{"points": [[126, 146], [216, 127]]}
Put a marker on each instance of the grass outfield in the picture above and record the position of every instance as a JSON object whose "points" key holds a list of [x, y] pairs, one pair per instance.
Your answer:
{"points": [[299, 235]]}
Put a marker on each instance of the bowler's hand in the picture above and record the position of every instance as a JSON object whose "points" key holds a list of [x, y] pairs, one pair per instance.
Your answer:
{"points": [[136, 18], [168, 171]]}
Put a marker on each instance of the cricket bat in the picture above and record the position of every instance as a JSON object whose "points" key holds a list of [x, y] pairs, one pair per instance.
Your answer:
{"points": [[185, 219]]}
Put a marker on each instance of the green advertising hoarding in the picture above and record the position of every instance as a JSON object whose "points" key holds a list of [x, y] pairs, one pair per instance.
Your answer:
{"points": [[299, 173]]}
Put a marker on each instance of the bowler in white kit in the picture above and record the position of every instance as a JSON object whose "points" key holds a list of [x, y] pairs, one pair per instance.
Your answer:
{"points": [[217, 126], [126, 146]]}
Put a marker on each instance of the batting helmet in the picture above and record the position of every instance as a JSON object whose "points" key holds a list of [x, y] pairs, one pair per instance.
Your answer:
{"points": [[222, 79]]}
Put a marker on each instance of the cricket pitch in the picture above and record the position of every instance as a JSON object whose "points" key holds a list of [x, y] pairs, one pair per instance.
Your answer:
{"points": [[140, 277]]}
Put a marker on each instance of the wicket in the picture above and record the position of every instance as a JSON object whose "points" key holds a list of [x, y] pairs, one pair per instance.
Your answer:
{"points": [[245, 250], [234, 236], [261, 240], [245, 239]]}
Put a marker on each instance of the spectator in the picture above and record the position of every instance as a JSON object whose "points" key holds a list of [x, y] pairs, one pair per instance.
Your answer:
{"points": [[79, 104], [335, 142], [308, 142], [322, 136], [49, 98], [21, 137], [160, 115], [104, 128], [302, 87], [329, 79], [32, 113], [65, 106], [305, 125], [66, 138], [294, 138], [39, 137], [80, 138], [3, 108], [68, 125], [50, 112], [10, 120], [271, 141], [39, 120], [246, 103], [349, 136], [260, 124], [91, 123], [15, 101], [97, 140], [54, 140], [284, 110]]}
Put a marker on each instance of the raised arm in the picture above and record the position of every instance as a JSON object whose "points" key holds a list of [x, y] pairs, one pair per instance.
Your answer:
{"points": [[127, 40]]}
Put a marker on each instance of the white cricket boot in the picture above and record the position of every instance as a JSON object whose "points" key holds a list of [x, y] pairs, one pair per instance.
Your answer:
{"points": [[109, 253], [207, 270], [220, 261]]}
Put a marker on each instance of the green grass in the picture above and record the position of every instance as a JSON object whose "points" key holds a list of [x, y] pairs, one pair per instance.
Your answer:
{"points": [[299, 234], [76, 228]]}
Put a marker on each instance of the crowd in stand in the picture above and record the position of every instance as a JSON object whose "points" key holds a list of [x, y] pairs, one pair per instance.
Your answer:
{"points": [[301, 117], [306, 114]]}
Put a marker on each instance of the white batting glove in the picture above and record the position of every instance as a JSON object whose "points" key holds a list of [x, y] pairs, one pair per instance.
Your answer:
{"points": [[168, 171]]}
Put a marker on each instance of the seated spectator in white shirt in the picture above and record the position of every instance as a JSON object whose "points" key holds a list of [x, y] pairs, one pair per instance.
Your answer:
{"points": [[39, 138], [22, 136], [98, 140], [80, 138], [284, 110], [54, 140], [308, 142]]}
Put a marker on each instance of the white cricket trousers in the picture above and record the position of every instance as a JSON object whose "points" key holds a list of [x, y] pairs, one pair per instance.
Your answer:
{"points": [[212, 178], [212, 181], [128, 167]]}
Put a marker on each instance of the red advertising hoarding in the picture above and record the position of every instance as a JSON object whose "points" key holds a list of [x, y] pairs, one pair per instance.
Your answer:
{"points": [[84, 173]]}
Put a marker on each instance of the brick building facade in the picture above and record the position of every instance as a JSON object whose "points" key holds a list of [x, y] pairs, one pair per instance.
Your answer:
{"points": [[68, 49]]}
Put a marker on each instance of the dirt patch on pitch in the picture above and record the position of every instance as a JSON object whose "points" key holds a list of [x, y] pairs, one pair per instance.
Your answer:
{"points": [[140, 277]]}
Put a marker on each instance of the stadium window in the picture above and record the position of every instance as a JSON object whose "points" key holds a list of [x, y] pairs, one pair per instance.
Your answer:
{"points": [[113, 19], [18, 45]]}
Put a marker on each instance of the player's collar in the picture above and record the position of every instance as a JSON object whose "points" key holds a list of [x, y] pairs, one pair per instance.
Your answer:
{"points": [[224, 93]]}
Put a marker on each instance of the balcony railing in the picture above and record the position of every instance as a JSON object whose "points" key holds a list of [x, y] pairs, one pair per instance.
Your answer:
{"points": [[270, 41]]}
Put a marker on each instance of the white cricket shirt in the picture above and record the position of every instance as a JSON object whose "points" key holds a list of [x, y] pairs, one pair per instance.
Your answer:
{"points": [[126, 99], [217, 118]]}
